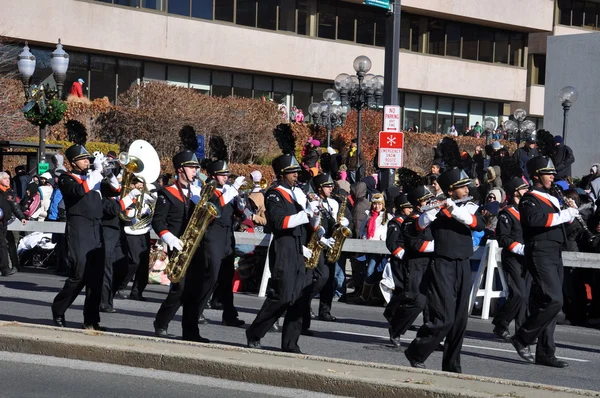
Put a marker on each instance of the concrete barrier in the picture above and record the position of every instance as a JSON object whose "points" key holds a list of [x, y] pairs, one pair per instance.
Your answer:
{"points": [[312, 373]]}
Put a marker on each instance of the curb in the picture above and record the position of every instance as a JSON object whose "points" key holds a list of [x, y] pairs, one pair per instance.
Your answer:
{"points": [[320, 374]]}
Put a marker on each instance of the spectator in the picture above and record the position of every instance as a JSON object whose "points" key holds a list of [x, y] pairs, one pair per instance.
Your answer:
{"points": [[353, 161], [21, 180], [341, 182], [477, 129], [591, 182], [59, 166], [453, 131], [30, 205], [495, 195], [310, 160], [293, 113], [256, 201], [299, 118], [77, 88], [526, 152], [563, 159]]}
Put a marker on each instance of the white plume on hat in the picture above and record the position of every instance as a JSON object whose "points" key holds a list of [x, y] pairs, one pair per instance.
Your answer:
{"points": [[256, 176]]}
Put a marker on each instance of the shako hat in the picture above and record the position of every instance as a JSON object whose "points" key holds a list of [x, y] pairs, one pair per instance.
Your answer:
{"points": [[322, 180], [514, 185], [540, 165], [419, 194], [453, 179]]}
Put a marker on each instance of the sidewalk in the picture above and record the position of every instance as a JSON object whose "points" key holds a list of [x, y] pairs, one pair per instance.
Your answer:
{"points": [[349, 378]]}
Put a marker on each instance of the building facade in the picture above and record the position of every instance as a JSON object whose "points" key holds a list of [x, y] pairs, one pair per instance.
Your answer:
{"points": [[460, 60]]}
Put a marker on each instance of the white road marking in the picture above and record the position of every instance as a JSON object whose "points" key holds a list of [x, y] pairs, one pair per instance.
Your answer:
{"points": [[464, 345]]}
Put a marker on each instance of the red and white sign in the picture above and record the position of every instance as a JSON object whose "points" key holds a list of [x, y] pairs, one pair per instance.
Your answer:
{"points": [[391, 118], [391, 146]]}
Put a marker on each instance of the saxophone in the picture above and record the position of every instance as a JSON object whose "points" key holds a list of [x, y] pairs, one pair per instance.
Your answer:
{"points": [[314, 244], [340, 233], [204, 213]]}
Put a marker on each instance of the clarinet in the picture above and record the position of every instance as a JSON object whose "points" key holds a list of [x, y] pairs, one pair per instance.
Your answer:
{"points": [[561, 197]]}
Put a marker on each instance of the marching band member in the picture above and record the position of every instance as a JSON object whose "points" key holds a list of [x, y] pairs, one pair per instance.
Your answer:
{"points": [[544, 235], [509, 235], [289, 287], [450, 284]]}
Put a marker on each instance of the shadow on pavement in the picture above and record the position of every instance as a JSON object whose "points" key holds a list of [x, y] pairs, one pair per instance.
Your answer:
{"points": [[29, 286]]}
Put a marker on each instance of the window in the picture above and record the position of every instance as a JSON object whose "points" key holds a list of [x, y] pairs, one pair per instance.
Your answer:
{"points": [[437, 36], [302, 95], [202, 9], [577, 15], [327, 19], [345, 22], [405, 32], [564, 17], [200, 80], [224, 10], [453, 39], [470, 42], [246, 12], [486, 45], [179, 7], [476, 113], [154, 71], [428, 107], [501, 54], [444, 115], [178, 75], [380, 29], [287, 16], [129, 3], [221, 84], [154, 4], [242, 85], [590, 14], [130, 73], [78, 68], [267, 14], [415, 35], [538, 69], [365, 28], [263, 86], [103, 82], [282, 88], [517, 46], [303, 18]]}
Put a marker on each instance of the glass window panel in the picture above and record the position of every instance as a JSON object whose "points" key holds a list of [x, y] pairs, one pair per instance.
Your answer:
{"points": [[453, 39], [380, 29], [242, 92], [412, 102], [302, 17], [242, 81], [43, 71], [437, 36], [590, 14], [429, 104], [427, 122], [221, 84], [411, 119], [486, 45], [317, 91], [154, 71], [178, 75], [444, 106], [221, 91], [501, 55], [444, 124], [202, 9], [130, 73], [103, 82], [287, 16], [154, 4], [282, 86], [476, 113], [246, 13], [492, 110], [224, 10], [461, 107], [415, 34], [345, 21], [179, 7], [564, 17], [200, 80], [105, 1], [327, 19], [461, 125], [365, 28], [540, 65], [517, 45], [264, 84], [470, 36], [577, 18], [129, 3], [405, 32], [78, 68], [267, 14]]}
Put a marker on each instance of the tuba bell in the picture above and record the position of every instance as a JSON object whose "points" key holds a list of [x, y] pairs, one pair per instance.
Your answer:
{"points": [[142, 162]]}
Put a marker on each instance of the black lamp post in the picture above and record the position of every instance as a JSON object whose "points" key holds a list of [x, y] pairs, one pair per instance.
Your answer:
{"points": [[519, 129], [567, 96], [327, 114], [360, 91]]}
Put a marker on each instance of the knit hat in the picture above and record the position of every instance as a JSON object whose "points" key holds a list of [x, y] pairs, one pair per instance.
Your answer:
{"points": [[498, 194], [558, 139], [496, 145], [316, 142]]}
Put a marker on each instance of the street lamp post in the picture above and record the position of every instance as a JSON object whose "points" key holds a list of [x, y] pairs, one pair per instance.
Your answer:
{"points": [[519, 129], [360, 91], [327, 114], [567, 96], [489, 125], [26, 65]]}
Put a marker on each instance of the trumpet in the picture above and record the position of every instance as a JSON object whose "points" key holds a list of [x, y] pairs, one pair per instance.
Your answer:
{"points": [[440, 204], [249, 185]]}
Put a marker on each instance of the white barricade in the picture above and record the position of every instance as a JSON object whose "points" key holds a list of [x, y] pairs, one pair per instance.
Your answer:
{"points": [[490, 261]]}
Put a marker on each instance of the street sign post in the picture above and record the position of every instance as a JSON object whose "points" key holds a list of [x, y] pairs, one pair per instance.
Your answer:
{"points": [[391, 118], [43, 167], [379, 3], [390, 152]]}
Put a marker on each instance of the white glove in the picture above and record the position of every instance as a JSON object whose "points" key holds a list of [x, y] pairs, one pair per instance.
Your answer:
{"points": [[320, 232], [327, 241], [462, 215], [134, 193], [98, 161], [238, 182], [94, 179], [400, 254], [519, 249], [306, 252], [315, 221], [172, 241], [450, 205], [313, 206], [240, 203], [344, 222], [565, 216]]}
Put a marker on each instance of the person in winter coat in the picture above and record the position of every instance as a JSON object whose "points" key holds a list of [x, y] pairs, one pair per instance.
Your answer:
{"points": [[361, 205], [8, 207], [310, 160], [563, 159], [45, 190], [526, 152], [31, 203]]}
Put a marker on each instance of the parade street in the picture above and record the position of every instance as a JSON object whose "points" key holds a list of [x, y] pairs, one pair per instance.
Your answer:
{"points": [[359, 334]]}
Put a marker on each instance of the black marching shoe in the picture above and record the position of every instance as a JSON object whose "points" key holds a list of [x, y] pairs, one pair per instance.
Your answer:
{"points": [[137, 297], [216, 306], [295, 350], [109, 310], [197, 339], [551, 361], [94, 326], [254, 344], [395, 340], [121, 294], [202, 320], [162, 332], [523, 350], [235, 322], [327, 317], [59, 320], [9, 272], [502, 333], [307, 332], [413, 362]]}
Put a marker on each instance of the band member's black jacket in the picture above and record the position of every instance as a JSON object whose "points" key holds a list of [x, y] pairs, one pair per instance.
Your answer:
{"points": [[172, 211], [509, 232], [395, 244], [8, 207]]}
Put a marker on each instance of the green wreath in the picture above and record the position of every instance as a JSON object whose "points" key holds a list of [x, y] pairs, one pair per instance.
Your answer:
{"points": [[55, 110]]}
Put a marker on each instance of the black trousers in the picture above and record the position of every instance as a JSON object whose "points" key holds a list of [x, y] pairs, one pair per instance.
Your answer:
{"points": [[448, 290], [519, 286], [138, 253], [86, 253], [405, 307], [222, 292], [544, 262], [115, 264], [272, 309], [575, 295], [323, 279], [3, 248], [12, 238], [170, 305]]}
